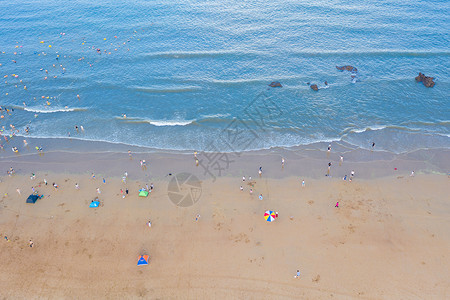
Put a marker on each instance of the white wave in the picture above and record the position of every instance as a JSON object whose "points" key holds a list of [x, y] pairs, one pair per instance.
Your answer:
{"points": [[214, 116], [49, 110], [373, 128], [170, 122], [158, 123]]}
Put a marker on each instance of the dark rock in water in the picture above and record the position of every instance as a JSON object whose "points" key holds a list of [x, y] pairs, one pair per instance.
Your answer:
{"points": [[427, 81], [347, 68], [314, 87], [275, 84]]}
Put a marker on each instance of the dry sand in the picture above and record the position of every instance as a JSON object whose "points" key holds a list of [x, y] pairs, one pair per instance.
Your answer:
{"points": [[389, 239]]}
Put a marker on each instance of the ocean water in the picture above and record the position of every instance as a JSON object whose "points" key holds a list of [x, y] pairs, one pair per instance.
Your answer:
{"points": [[195, 74]]}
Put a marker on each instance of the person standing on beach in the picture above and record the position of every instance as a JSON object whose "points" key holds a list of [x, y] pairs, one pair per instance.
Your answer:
{"points": [[329, 168], [337, 204], [93, 176], [341, 160], [352, 173], [282, 162], [126, 191], [303, 183], [77, 186], [260, 171], [129, 154], [31, 243], [297, 275], [197, 218], [18, 191], [328, 150], [98, 191], [373, 145]]}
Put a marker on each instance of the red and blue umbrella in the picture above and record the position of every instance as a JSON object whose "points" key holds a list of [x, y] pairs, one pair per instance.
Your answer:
{"points": [[270, 216]]}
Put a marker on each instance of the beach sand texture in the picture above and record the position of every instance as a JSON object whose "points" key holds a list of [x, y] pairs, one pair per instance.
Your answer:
{"points": [[389, 239]]}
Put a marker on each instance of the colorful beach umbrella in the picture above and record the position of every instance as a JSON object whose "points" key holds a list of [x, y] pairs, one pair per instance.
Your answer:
{"points": [[270, 216], [143, 260]]}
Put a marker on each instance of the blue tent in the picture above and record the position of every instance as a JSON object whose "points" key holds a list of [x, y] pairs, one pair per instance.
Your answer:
{"points": [[143, 260], [32, 199], [94, 204]]}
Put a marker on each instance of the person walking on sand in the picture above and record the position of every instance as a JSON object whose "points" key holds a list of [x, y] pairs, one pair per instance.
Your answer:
{"points": [[303, 183], [77, 186], [242, 189], [329, 168], [297, 275], [260, 171], [31, 243], [373, 145], [282, 162], [260, 196], [149, 224], [328, 150], [412, 174], [341, 160], [352, 173], [337, 204], [197, 218]]}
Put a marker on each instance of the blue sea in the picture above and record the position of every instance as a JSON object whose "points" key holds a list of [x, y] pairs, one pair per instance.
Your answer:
{"points": [[194, 75]]}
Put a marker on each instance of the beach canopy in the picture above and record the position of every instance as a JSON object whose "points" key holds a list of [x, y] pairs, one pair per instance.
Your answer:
{"points": [[94, 204], [143, 193], [270, 216], [143, 260], [32, 199]]}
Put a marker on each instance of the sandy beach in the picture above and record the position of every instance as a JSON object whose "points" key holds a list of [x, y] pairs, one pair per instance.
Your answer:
{"points": [[388, 239]]}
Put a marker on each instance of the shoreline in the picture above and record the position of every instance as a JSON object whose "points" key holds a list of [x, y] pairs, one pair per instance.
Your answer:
{"points": [[309, 161]]}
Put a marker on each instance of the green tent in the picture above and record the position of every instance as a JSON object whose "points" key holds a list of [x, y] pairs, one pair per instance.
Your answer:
{"points": [[143, 193]]}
